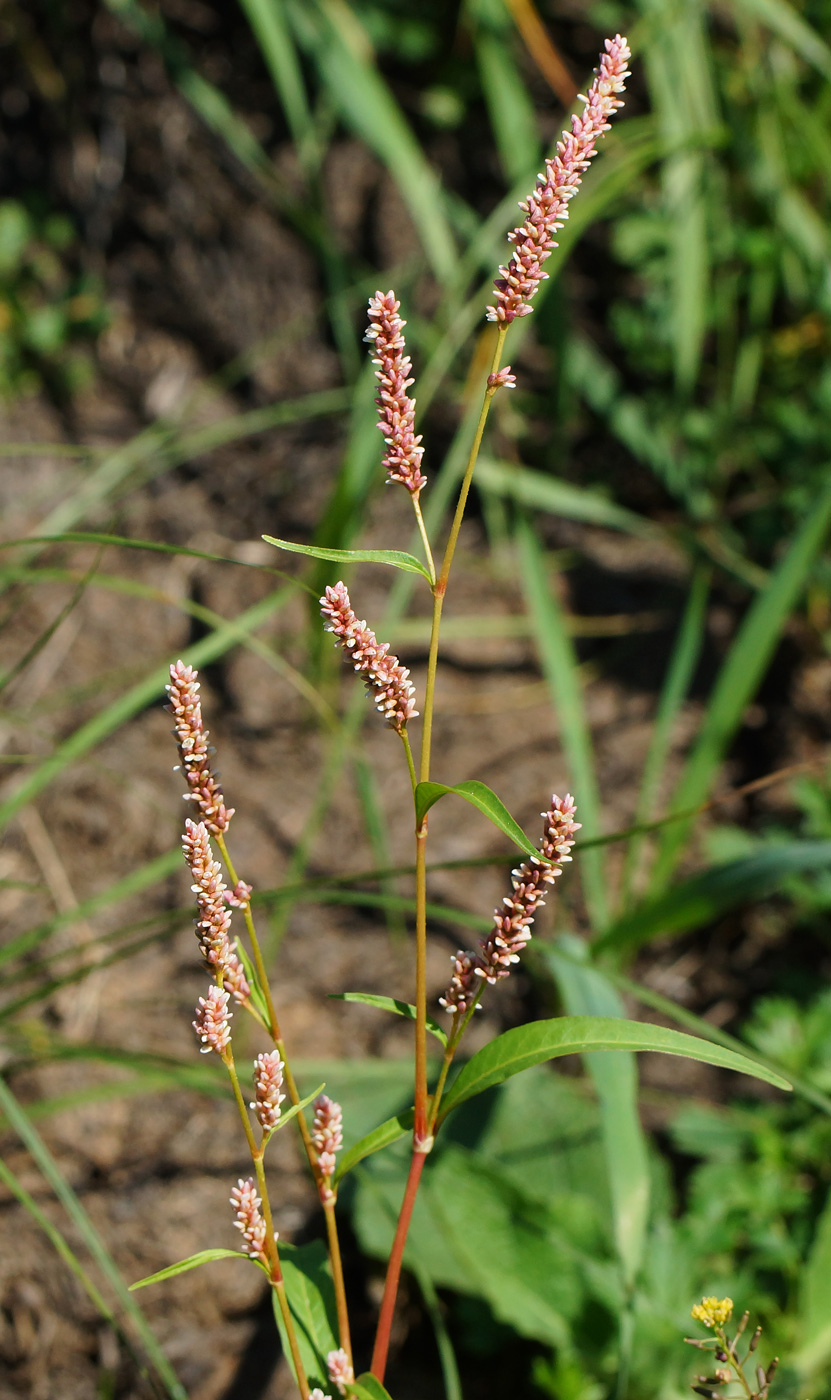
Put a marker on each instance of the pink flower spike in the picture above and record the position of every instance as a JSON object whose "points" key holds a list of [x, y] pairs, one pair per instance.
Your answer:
{"points": [[546, 208], [192, 738], [386, 680], [461, 993], [512, 923], [268, 1081], [212, 1018], [249, 1219], [396, 412], [340, 1369], [503, 379], [317, 1394], [327, 1134]]}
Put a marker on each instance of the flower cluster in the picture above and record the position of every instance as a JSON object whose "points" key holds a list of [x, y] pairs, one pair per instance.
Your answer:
{"points": [[327, 1134], [512, 923], [396, 411], [192, 738], [212, 1021], [249, 1219], [713, 1312], [268, 1081], [214, 922], [546, 209], [340, 1369], [386, 680]]}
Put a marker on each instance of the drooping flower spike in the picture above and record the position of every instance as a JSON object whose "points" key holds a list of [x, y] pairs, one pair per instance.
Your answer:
{"points": [[546, 208], [386, 680], [396, 411], [192, 737], [498, 953]]}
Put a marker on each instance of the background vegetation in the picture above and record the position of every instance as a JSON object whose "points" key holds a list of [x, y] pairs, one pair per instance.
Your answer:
{"points": [[200, 199]]}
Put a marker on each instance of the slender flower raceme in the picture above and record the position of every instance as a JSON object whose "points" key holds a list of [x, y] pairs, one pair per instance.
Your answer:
{"points": [[341, 1373], [212, 1021], [546, 209], [192, 738], [386, 680], [327, 1132], [396, 411], [249, 1220], [268, 1081], [214, 922], [512, 923]]}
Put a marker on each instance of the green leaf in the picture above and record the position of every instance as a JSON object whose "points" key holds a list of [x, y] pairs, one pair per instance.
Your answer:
{"points": [[380, 1137], [401, 1008], [516, 1049], [295, 1109], [311, 1299], [368, 1387], [395, 557], [205, 1256], [699, 900], [814, 1329], [478, 795], [586, 991]]}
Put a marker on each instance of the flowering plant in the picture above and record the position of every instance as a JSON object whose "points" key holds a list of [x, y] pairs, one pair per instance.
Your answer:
{"points": [[237, 968]]}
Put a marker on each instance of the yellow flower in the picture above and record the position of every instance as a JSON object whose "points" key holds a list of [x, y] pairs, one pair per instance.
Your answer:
{"points": [[713, 1312]]}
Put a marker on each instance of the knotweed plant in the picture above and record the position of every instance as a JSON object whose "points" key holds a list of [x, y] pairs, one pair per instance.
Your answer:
{"points": [[266, 1093]]}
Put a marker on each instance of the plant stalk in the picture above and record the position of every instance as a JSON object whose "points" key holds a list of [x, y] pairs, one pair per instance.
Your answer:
{"points": [[382, 1337], [337, 1274]]}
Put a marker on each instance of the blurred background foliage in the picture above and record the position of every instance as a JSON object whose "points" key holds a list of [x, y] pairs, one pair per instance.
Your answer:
{"points": [[674, 389]]}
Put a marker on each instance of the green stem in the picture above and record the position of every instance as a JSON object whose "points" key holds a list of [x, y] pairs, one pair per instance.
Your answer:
{"points": [[410, 762], [428, 553], [337, 1273], [288, 1322], [452, 1046]]}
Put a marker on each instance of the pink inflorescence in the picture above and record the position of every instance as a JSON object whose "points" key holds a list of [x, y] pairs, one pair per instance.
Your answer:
{"points": [[546, 209], [512, 923], [249, 1220], [317, 1394], [192, 738], [386, 680], [502, 379], [340, 1369], [268, 1081], [212, 1021], [396, 411], [327, 1134], [214, 923]]}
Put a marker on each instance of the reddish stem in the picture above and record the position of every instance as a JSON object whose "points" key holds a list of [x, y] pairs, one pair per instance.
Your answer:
{"points": [[382, 1337]]}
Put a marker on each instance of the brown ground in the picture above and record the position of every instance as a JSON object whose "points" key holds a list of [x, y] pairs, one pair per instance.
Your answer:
{"points": [[199, 277]]}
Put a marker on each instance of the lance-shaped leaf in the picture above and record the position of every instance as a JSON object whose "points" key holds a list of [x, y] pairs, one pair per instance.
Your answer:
{"points": [[205, 1256], [395, 557], [400, 1008], [478, 795], [311, 1299], [523, 1046], [383, 1136], [368, 1387]]}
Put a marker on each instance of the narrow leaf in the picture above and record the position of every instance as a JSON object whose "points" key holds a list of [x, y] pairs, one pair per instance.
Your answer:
{"points": [[295, 1109], [400, 1008], [368, 1387], [205, 1256], [395, 557], [516, 1049], [478, 795], [380, 1137]]}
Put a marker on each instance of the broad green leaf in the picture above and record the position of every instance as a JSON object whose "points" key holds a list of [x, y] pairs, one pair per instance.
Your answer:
{"points": [[205, 1256], [380, 1137], [401, 1008], [744, 666], [395, 557], [586, 991], [699, 900], [311, 1299], [515, 1050], [478, 795], [814, 1330], [368, 1387]]}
